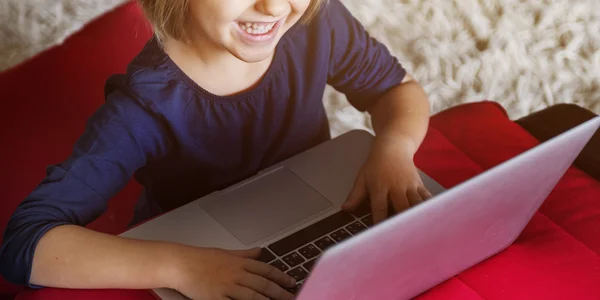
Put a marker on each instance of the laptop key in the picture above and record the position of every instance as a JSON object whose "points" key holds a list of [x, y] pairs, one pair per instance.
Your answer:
{"points": [[340, 235], [309, 265], [298, 273], [280, 265], [293, 259], [368, 220], [298, 288], [308, 234], [309, 251], [355, 227], [266, 256], [294, 291], [324, 243]]}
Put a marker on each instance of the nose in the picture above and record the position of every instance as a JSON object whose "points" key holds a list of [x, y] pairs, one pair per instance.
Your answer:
{"points": [[273, 8]]}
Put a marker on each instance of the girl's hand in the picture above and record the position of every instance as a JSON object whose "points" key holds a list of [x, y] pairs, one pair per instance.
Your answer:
{"points": [[220, 274], [389, 179]]}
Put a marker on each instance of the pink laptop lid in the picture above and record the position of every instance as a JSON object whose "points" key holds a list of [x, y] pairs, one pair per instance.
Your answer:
{"points": [[428, 244]]}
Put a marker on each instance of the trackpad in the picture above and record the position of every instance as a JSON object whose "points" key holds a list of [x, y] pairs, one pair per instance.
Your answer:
{"points": [[266, 205]]}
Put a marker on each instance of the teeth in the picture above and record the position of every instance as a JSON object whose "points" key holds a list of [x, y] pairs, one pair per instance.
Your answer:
{"points": [[253, 28]]}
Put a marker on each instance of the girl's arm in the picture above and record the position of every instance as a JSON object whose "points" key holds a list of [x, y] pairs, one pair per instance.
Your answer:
{"points": [[402, 115], [74, 257], [389, 178], [373, 80], [71, 256]]}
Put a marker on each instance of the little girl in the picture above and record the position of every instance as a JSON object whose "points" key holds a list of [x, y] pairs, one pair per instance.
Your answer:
{"points": [[224, 89]]}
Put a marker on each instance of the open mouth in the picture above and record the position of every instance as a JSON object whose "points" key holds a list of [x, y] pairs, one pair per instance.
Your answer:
{"points": [[257, 29]]}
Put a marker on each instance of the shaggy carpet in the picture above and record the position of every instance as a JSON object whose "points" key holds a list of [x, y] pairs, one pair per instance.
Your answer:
{"points": [[524, 54]]}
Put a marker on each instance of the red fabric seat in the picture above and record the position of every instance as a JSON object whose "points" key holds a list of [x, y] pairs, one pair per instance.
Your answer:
{"points": [[49, 98], [556, 256]]}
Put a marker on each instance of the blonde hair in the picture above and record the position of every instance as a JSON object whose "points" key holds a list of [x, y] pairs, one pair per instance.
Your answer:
{"points": [[168, 16]]}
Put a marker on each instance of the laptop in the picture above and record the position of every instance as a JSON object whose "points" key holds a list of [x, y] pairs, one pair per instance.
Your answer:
{"points": [[292, 210]]}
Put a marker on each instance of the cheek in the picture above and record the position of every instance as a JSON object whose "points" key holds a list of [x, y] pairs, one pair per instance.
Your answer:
{"points": [[300, 6], [213, 14]]}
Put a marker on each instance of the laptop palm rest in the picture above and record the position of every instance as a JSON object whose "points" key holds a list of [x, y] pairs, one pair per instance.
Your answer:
{"points": [[266, 205]]}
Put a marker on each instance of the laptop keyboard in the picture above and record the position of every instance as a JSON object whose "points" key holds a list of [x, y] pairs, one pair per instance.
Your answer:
{"points": [[297, 253]]}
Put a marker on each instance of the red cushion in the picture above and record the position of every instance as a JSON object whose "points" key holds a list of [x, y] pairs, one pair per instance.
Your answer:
{"points": [[48, 99], [556, 256]]}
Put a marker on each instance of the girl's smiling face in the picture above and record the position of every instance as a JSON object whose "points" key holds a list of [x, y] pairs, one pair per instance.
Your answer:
{"points": [[248, 29]]}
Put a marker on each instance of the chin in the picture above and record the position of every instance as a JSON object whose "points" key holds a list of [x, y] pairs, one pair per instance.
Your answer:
{"points": [[253, 55]]}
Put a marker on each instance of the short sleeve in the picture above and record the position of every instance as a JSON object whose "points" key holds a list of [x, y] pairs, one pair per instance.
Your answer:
{"points": [[119, 138], [360, 67]]}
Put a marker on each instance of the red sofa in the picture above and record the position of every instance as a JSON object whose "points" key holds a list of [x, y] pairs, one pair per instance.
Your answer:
{"points": [[51, 96], [47, 101]]}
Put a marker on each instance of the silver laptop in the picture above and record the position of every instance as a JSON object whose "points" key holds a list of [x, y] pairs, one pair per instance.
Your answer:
{"points": [[292, 210]]}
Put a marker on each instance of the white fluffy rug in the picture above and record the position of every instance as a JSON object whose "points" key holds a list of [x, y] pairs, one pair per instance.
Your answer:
{"points": [[525, 54]]}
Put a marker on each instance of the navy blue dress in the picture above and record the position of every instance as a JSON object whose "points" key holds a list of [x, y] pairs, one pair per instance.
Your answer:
{"points": [[182, 142]]}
